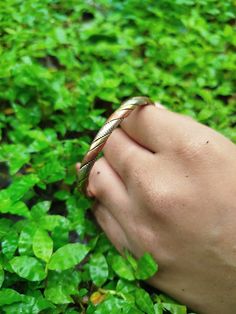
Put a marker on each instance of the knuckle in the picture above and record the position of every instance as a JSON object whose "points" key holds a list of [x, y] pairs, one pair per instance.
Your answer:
{"points": [[146, 109], [191, 149], [129, 156], [131, 168], [161, 201], [144, 112], [165, 194], [141, 237]]}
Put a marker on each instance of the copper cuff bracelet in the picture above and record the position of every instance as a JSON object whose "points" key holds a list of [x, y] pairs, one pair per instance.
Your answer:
{"points": [[102, 136]]}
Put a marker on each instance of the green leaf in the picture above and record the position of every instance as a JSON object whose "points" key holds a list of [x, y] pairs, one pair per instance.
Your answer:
{"points": [[41, 304], [158, 308], [42, 245], [131, 260], [50, 222], [30, 305], [98, 269], [166, 299], [16, 156], [9, 296], [21, 185], [122, 267], [175, 308], [143, 301], [51, 171], [129, 309], [205, 114], [26, 239], [58, 295], [111, 305], [1, 276], [7, 205], [125, 286], [19, 208], [146, 267], [28, 267], [60, 236], [9, 244], [68, 256], [31, 116], [40, 209], [61, 285], [60, 35], [5, 202], [5, 225]]}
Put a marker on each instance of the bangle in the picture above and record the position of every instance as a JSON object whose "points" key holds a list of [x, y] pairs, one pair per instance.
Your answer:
{"points": [[102, 136]]}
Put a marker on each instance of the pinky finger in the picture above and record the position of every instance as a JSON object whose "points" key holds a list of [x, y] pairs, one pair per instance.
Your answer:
{"points": [[111, 227]]}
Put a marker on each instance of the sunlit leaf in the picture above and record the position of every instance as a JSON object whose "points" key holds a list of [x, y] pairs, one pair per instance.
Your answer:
{"points": [[74, 253], [9, 244], [8, 296], [146, 267], [98, 269], [42, 245], [122, 268], [144, 301], [26, 239], [28, 267]]}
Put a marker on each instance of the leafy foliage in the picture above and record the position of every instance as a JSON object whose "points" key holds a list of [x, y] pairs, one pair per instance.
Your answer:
{"points": [[64, 67]]}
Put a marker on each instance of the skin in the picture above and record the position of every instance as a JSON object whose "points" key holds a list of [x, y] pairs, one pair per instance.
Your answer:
{"points": [[167, 185]]}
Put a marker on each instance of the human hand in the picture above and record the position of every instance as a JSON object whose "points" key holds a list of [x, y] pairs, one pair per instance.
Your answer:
{"points": [[167, 185]]}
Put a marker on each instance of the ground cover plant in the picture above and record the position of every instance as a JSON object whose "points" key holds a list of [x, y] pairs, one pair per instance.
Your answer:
{"points": [[64, 67]]}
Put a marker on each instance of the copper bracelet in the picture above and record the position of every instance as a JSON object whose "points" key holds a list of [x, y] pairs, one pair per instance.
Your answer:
{"points": [[102, 136]]}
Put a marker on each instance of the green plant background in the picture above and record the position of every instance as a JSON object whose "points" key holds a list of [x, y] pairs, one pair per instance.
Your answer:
{"points": [[64, 67]]}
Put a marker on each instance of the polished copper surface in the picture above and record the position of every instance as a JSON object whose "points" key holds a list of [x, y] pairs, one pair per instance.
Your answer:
{"points": [[102, 136]]}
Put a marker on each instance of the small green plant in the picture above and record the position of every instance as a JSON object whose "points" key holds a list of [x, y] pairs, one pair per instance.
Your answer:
{"points": [[64, 67]]}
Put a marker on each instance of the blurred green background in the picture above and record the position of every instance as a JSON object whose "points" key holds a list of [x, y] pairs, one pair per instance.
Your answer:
{"points": [[64, 67]]}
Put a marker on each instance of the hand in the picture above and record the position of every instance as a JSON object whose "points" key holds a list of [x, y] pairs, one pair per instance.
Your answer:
{"points": [[167, 185]]}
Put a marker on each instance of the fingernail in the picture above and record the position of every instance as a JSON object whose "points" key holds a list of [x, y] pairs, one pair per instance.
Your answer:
{"points": [[160, 106]]}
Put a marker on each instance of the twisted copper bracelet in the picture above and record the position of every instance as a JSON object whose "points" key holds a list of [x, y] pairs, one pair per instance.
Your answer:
{"points": [[102, 136]]}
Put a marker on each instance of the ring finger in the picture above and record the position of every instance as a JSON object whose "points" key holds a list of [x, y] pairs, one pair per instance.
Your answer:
{"points": [[110, 226]]}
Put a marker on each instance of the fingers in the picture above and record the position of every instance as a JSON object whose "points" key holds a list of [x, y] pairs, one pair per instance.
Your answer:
{"points": [[111, 227], [154, 128], [126, 156], [107, 187]]}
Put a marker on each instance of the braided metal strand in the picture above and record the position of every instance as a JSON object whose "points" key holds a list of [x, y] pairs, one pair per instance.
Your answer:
{"points": [[102, 136]]}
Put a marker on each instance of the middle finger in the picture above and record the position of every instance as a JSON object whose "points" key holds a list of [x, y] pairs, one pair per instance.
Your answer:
{"points": [[126, 156]]}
